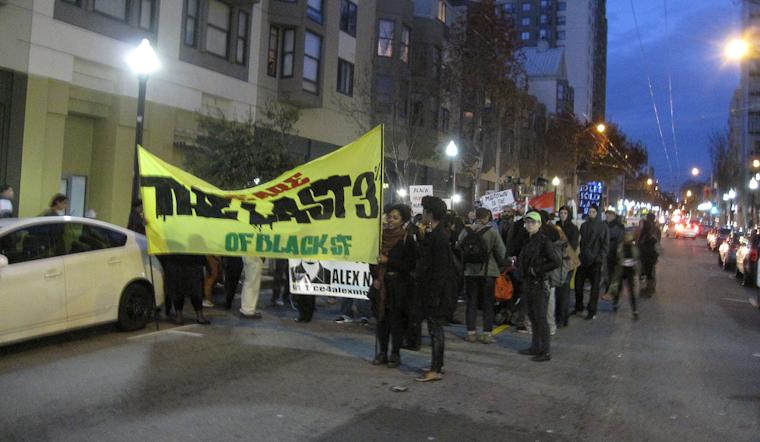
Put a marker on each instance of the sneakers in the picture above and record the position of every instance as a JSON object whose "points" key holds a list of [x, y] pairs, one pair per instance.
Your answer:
{"points": [[207, 303], [364, 321], [471, 337], [579, 313], [394, 361], [430, 376], [529, 352], [344, 320], [523, 330], [487, 339], [380, 359], [590, 317], [256, 315], [541, 357], [277, 302]]}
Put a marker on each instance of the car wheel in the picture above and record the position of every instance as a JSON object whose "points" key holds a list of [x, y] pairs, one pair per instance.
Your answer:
{"points": [[135, 308]]}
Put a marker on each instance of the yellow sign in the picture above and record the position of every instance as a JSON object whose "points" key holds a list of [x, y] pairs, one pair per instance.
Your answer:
{"points": [[328, 209]]}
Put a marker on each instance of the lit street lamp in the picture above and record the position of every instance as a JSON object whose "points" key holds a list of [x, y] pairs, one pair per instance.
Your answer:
{"points": [[451, 151], [695, 171], [143, 62], [555, 182]]}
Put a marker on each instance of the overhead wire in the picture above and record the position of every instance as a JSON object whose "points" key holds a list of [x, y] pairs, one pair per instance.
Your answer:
{"points": [[651, 90], [670, 92]]}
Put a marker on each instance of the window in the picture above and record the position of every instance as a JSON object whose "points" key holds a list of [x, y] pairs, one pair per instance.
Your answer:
{"points": [[33, 243], [561, 19], [218, 28], [545, 20], [383, 94], [147, 12], [509, 8], [561, 92], [445, 116], [526, 21], [442, 11], [348, 17], [242, 38], [526, 6], [753, 123], [418, 114], [191, 23], [545, 5], [562, 6], [560, 35], [312, 52], [314, 10], [544, 34], [404, 44], [435, 62], [274, 41], [112, 8], [345, 77], [288, 52], [385, 30], [525, 35], [80, 238]]}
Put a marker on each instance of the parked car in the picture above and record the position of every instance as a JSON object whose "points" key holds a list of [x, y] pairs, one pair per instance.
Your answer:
{"points": [[727, 250], [716, 237], [59, 273], [682, 230], [746, 259]]}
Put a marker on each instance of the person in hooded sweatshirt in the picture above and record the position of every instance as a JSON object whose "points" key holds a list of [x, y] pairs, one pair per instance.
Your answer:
{"points": [[595, 245], [570, 230]]}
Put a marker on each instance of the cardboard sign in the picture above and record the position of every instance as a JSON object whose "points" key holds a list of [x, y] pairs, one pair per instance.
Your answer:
{"points": [[415, 194]]}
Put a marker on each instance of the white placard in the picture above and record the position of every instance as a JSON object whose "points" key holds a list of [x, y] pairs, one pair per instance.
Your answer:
{"points": [[496, 202], [415, 194], [329, 278]]}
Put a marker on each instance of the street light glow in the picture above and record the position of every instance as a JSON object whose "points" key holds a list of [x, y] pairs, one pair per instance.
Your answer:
{"points": [[143, 59], [401, 192], [695, 171], [555, 181], [688, 193], [737, 49], [601, 128], [756, 163], [649, 182], [451, 149], [753, 184], [456, 198], [731, 194]]}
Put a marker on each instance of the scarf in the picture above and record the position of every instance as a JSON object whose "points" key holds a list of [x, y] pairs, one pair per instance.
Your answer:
{"points": [[389, 239]]}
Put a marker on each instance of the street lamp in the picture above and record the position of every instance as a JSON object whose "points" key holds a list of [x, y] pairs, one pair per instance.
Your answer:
{"points": [[143, 61], [555, 182], [451, 151], [695, 171], [649, 182]]}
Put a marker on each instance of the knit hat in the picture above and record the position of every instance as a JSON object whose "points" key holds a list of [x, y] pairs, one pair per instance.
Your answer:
{"points": [[534, 216], [595, 207]]}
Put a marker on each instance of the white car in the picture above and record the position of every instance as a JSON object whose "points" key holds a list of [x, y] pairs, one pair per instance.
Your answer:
{"points": [[58, 273]]}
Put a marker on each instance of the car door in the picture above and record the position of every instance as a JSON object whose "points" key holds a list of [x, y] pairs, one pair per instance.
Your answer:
{"points": [[95, 270], [32, 285]]}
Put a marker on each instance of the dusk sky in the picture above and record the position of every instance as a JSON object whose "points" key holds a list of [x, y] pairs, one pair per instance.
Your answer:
{"points": [[689, 46]]}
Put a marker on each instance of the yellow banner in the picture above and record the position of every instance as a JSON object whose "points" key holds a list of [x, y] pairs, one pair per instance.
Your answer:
{"points": [[329, 209]]}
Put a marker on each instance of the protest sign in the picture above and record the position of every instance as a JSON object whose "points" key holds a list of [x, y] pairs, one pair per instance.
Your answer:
{"points": [[416, 193], [329, 278], [495, 202]]}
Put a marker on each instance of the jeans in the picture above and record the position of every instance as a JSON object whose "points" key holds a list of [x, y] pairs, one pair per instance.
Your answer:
{"points": [[480, 294], [362, 306], [249, 296], [232, 271], [435, 328], [628, 276], [594, 273], [537, 298]]}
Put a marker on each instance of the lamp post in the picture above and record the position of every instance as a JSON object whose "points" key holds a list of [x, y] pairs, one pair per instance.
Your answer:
{"points": [[451, 151], [143, 62], [555, 182], [600, 128]]}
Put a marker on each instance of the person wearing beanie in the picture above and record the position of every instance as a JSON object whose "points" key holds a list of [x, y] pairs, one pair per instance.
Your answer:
{"points": [[536, 259], [595, 245]]}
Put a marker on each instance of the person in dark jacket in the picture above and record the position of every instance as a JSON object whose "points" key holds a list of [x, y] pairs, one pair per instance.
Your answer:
{"points": [[183, 276], [136, 220], [393, 281], [595, 245], [648, 253], [431, 276], [537, 258], [617, 230], [562, 311]]}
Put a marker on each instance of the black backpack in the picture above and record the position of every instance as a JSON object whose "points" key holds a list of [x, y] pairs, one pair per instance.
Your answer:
{"points": [[474, 248]]}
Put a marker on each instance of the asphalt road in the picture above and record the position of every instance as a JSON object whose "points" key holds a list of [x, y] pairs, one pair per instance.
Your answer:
{"points": [[689, 370]]}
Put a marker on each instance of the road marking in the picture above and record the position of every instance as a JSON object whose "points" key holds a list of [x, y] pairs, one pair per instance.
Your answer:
{"points": [[174, 331], [736, 300], [499, 329]]}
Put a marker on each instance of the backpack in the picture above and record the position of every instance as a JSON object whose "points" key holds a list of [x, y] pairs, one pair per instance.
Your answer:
{"points": [[504, 287], [474, 248], [558, 275]]}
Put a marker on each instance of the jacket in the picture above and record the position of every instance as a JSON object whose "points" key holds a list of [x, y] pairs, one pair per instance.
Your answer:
{"points": [[537, 258], [496, 259], [595, 242], [571, 232], [616, 236], [432, 271]]}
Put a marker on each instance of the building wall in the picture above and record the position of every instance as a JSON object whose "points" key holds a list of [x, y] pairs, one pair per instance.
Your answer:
{"points": [[579, 54]]}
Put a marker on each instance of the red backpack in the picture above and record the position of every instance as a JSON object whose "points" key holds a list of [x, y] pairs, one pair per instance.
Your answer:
{"points": [[504, 288]]}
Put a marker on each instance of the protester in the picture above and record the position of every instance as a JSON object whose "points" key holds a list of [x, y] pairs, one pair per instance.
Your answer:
{"points": [[617, 230], [595, 245], [233, 268], [136, 220], [628, 271], [562, 294], [392, 281], [213, 265], [432, 269], [480, 277], [657, 234], [57, 206], [6, 201], [183, 276], [504, 223], [249, 295], [536, 259], [281, 285], [347, 311], [648, 250]]}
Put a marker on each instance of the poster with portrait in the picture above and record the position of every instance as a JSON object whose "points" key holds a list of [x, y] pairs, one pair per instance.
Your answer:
{"points": [[329, 278]]}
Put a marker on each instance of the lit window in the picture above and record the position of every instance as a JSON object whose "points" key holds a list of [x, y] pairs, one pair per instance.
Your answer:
{"points": [[314, 10], [509, 7], [311, 56], [525, 35], [288, 52], [348, 17], [442, 11], [404, 44], [545, 5], [385, 30], [561, 92], [383, 94], [345, 77]]}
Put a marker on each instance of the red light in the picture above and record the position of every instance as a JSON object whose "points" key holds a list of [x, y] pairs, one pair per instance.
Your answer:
{"points": [[753, 255]]}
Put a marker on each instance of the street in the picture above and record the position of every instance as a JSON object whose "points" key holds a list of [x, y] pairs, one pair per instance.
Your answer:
{"points": [[689, 370]]}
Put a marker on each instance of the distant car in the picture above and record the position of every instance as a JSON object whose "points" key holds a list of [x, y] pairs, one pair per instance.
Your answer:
{"points": [[682, 230], [716, 237], [668, 229], [704, 229], [59, 273], [727, 250], [746, 259]]}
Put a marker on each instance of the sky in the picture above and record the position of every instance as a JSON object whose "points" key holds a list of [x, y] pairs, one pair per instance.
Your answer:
{"points": [[683, 44]]}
